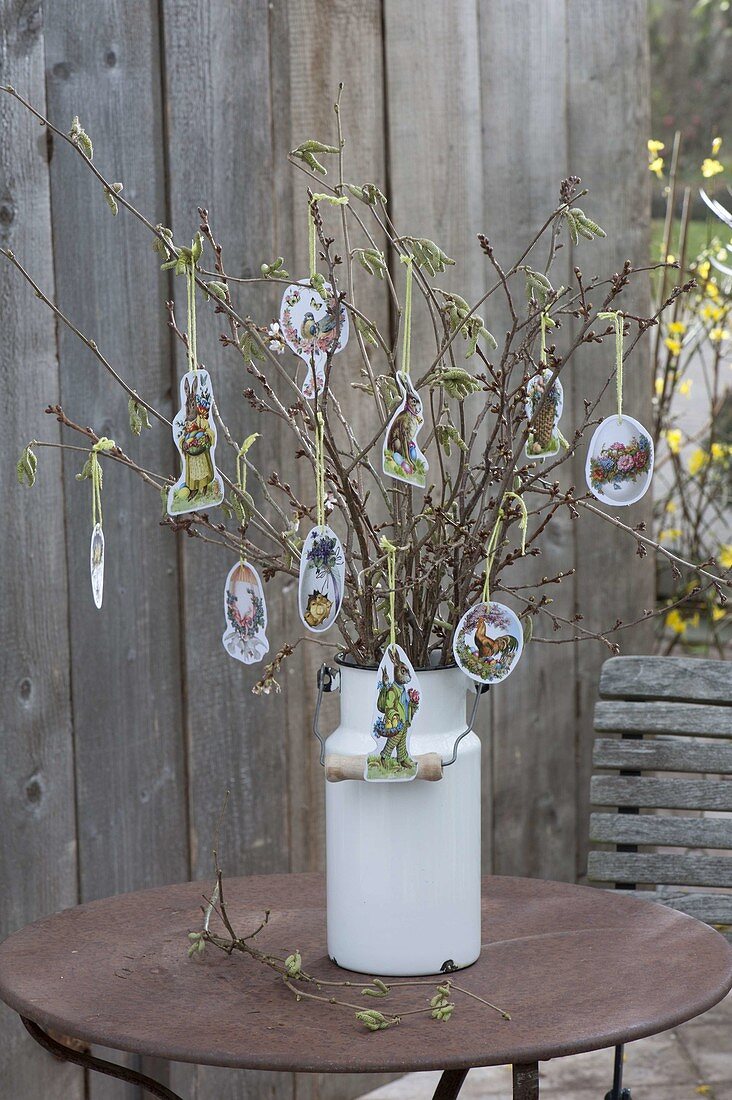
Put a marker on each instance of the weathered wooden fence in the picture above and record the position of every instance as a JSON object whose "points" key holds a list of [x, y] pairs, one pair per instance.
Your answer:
{"points": [[121, 730]]}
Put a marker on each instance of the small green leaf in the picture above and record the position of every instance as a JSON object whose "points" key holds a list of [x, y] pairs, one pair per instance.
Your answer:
{"points": [[372, 260], [111, 202], [456, 381], [138, 416], [527, 626], [306, 152], [447, 434], [369, 193], [317, 282], [217, 290], [367, 331], [428, 255], [86, 472], [26, 467], [250, 347], [375, 1021], [293, 964], [242, 507], [275, 270], [80, 138]]}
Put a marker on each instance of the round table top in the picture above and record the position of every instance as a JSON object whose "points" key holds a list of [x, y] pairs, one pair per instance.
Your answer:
{"points": [[577, 968]]}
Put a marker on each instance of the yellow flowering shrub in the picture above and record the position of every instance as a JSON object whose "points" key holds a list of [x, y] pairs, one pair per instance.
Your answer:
{"points": [[693, 424]]}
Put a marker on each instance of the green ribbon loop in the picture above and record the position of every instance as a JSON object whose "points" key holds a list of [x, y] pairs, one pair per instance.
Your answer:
{"points": [[102, 444], [618, 320]]}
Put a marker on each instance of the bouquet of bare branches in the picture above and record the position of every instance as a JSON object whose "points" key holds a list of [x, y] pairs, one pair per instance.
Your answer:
{"points": [[486, 471]]}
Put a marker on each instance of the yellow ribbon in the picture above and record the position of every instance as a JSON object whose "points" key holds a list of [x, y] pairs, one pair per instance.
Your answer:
{"points": [[391, 550], [618, 319], [407, 342], [191, 295], [492, 545], [319, 472]]}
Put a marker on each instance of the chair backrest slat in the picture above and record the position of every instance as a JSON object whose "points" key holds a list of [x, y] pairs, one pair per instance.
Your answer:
{"points": [[661, 794], [668, 755], [686, 719], [662, 830], [688, 679], [688, 869]]}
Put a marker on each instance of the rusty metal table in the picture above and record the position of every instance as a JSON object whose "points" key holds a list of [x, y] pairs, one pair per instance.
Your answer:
{"points": [[577, 968]]}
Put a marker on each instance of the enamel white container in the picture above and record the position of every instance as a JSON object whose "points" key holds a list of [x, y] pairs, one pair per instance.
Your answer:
{"points": [[403, 859]]}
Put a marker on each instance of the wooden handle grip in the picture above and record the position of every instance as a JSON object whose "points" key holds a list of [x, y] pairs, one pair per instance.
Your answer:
{"points": [[339, 767]]}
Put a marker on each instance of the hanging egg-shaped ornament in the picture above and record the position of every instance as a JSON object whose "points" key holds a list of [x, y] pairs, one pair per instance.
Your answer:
{"points": [[396, 711], [401, 457], [245, 615], [322, 579], [200, 485], [619, 464], [544, 438], [488, 642], [96, 564], [313, 326]]}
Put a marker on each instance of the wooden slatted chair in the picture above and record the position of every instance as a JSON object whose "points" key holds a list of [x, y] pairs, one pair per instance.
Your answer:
{"points": [[665, 726]]}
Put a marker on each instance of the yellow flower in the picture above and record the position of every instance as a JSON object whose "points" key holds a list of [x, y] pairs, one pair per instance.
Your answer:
{"points": [[671, 506], [711, 167], [673, 439], [657, 146], [675, 622], [656, 166], [677, 327], [718, 334], [703, 269], [712, 290], [718, 613], [724, 557], [670, 534], [670, 259], [712, 313], [658, 386], [697, 461], [674, 346], [716, 145], [720, 451], [685, 387]]}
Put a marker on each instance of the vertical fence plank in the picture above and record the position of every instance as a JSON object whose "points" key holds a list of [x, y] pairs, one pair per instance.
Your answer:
{"points": [[609, 120], [219, 149], [523, 75], [437, 183], [125, 659], [308, 45], [38, 858]]}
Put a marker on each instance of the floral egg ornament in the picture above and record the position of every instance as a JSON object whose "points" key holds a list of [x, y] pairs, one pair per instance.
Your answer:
{"points": [[245, 615], [322, 578], [488, 642], [619, 464]]}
